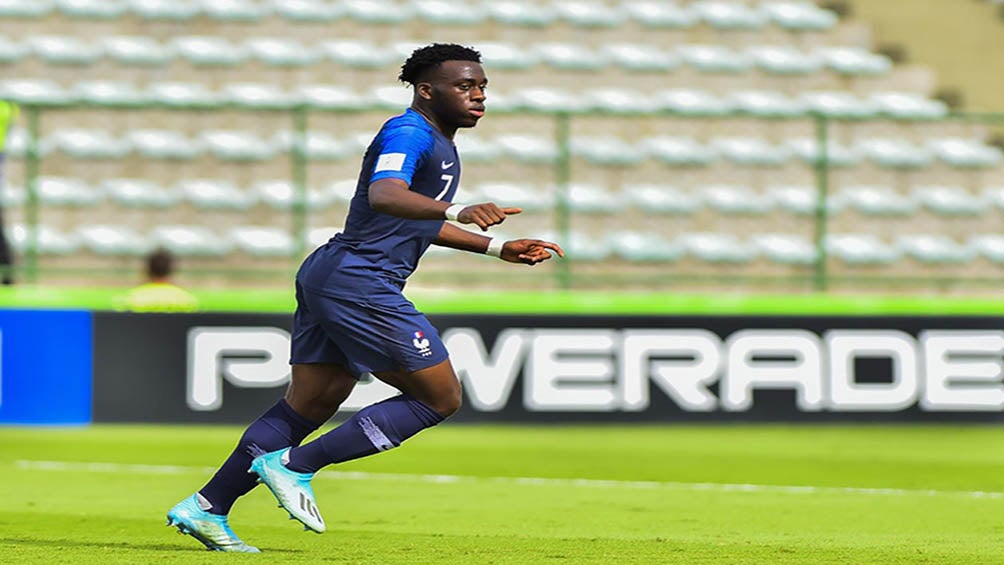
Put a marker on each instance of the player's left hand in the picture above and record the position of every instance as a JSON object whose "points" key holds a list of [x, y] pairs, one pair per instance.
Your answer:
{"points": [[529, 251]]}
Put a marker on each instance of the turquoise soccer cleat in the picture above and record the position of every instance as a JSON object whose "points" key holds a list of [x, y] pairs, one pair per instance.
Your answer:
{"points": [[290, 488], [211, 529]]}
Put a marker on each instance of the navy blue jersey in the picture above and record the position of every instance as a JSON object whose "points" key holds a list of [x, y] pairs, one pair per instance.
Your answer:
{"points": [[378, 251]]}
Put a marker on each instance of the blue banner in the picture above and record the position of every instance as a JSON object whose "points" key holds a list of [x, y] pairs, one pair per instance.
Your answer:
{"points": [[45, 367]]}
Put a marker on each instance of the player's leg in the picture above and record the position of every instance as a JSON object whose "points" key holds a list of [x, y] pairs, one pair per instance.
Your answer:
{"points": [[314, 394], [429, 396]]}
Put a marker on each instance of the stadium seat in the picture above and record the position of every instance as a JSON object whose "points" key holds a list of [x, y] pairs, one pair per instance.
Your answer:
{"points": [[208, 51], [765, 104], [317, 237], [908, 106], [895, 153], [384, 12], [109, 93], [661, 199], [475, 149], [242, 11], [860, 249], [713, 247], [965, 153], [113, 240], [590, 198], [521, 13], [726, 15], [60, 50], [342, 190], [990, 246], [190, 240], [679, 151], [808, 149], [750, 151], [934, 248], [392, 98], [17, 144], [66, 191], [714, 58], [785, 248], [328, 97], [281, 52], [165, 144], [520, 195], [12, 196], [442, 12], [508, 56], [545, 100], [784, 60], [949, 200], [605, 150], [89, 144], [587, 13], [49, 240], [10, 9], [690, 102], [166, 10], [234, 145], [569, 56], [528, 149], [263, 241], [612, 100], [307, 11], [640, 246], [837, 104], [856, 61], [258, 96], [994, 196], [735, 199], [798, 15], [35, 91], [183, 94], [139, 193], [579, 246], [319, 145], [357, 53], [213, 194], [93, 9], [876, 200], [659, 14], [12, 51], [801, 199], [640, 58], [280, 194]]}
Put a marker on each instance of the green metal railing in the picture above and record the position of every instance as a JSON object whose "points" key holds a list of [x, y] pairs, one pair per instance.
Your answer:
{"points": [[817, 276]]}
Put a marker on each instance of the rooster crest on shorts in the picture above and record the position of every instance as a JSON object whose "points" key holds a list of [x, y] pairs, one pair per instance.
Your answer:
{"points": [[421, 343]]}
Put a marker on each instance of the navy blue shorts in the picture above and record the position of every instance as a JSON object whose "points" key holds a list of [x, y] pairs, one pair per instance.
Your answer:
{"points": [[363, 337]]}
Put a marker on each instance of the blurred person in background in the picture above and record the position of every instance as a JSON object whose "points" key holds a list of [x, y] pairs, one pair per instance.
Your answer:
{"points": [[159, 293], [8, 113], [351, 317]]}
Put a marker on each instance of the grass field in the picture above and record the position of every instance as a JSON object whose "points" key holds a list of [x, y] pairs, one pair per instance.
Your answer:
{"points": [[493, 494]]}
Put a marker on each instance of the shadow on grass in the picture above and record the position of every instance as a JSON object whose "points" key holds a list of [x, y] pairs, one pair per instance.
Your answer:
{"points": [[59, 543]]}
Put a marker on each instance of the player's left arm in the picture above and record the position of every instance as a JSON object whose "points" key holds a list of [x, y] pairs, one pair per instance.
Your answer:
{"points": [[526, 251]]}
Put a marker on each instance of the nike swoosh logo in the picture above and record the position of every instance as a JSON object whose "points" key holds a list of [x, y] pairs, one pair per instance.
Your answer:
{"points": [[446, 165]]}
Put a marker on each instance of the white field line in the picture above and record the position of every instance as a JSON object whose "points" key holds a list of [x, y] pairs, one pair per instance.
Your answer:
{"points": [[97, 467]]}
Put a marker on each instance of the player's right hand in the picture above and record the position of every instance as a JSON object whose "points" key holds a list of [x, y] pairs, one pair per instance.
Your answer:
{"points": [[485, 215]]}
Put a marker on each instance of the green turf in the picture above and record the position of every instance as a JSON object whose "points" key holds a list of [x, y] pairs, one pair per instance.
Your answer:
{"points": [[578, 302], [395, 513]]}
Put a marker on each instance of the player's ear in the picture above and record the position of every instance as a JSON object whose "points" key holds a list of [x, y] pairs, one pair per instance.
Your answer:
{"points": [[424, 89]]}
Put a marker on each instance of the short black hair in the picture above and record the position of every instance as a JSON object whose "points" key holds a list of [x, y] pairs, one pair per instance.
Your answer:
{"points": [[429, 57], [160, 264]]}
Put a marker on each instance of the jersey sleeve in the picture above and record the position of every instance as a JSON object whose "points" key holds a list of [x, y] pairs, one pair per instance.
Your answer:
{"points": [[403, 149]]}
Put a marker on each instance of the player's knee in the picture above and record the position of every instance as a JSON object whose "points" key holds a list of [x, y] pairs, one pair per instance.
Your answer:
{"points": [[447, 404]]}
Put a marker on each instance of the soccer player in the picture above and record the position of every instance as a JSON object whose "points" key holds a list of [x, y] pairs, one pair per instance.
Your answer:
{"points": [[351, 316]]}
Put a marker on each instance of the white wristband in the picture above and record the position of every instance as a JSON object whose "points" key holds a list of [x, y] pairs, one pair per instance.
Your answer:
{"points": [[495, 245], [453, 212]]}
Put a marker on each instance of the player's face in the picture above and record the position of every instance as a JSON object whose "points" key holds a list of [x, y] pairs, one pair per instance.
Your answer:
{"points": [[458, 94]]}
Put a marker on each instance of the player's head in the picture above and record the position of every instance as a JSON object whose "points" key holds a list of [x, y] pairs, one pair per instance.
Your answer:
{"points": [[159, 264], [449, 85]]}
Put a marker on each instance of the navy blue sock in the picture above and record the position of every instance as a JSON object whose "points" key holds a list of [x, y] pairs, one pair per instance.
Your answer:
{"points": [[376, 428], [276, 429]]}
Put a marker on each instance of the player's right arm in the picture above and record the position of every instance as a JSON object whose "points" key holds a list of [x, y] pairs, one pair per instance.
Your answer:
{"points": [[392, 196]]}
